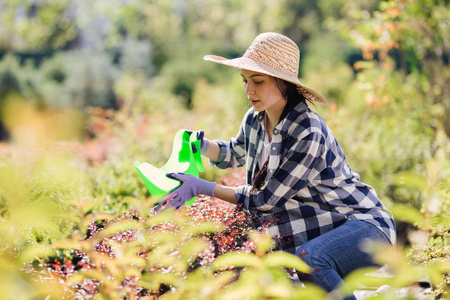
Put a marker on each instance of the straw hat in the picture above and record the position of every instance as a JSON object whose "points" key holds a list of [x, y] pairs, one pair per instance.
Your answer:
{"points": [[275, 55]]}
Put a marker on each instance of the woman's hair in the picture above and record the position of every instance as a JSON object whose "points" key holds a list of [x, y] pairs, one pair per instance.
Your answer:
{"points": [[290, 94], [259, 182]]}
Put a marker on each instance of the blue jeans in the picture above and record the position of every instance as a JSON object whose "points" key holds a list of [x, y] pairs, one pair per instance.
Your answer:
{"points": [[337, 253]]}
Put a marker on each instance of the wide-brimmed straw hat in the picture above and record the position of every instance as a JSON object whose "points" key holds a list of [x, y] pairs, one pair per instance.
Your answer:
{"points": [[272, 54]]}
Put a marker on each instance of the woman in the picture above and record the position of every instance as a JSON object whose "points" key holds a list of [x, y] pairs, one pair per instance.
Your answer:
{"points": [[297, 174]]}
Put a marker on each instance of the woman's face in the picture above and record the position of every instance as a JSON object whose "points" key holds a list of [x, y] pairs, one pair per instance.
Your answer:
{"points": [[263, 92]]}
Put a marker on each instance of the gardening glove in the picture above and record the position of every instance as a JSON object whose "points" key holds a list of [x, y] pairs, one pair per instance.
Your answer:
{"points": [[204, 142], [190, 187]]}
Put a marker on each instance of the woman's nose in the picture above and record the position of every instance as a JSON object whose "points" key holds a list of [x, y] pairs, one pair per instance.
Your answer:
{"points": [[248, 90]]}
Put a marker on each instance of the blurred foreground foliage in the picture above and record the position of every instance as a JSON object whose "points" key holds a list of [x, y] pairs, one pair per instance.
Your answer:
{"points": [[86, 90]]}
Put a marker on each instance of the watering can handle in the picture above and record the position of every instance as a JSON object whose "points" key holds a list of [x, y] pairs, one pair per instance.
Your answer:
{"points": [[196, 155]]}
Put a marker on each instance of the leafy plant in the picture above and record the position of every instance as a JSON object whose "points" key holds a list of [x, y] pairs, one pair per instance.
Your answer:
{"points": [[170, 254]]}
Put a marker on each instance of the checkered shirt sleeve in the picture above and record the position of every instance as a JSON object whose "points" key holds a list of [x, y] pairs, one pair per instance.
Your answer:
{"points": [[309, 188]]}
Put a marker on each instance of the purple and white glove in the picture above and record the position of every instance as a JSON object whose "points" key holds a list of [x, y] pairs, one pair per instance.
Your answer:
{"points": [[204, 142], [190, 187]]}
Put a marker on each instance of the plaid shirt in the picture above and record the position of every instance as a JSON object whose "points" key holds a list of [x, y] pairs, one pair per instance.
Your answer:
{"points": [[309, 188]]}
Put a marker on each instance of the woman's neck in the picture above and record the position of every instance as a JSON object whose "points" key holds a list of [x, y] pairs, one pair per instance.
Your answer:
{"points": [[273, 116], [272, 119], [270, 124]]}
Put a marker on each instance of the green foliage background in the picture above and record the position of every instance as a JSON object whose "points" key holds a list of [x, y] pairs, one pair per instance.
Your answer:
{"points": [[88, 87]]}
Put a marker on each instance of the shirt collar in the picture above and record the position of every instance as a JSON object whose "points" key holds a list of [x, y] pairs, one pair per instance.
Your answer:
{"points": [[259, 115]]}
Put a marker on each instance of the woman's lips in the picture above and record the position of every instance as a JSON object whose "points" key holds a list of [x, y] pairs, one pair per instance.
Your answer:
{"points": [[253, 101]]}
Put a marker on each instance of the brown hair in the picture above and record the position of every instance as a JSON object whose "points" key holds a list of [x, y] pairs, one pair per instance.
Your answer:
{"points": [[258, 182], [290, 93]]}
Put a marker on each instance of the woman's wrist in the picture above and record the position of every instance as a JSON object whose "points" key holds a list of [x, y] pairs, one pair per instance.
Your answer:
{"points": [[213, 151], [204, 146]]}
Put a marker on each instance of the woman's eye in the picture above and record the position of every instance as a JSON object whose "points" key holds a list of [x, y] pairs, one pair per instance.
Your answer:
{"points": [[258, 82]]}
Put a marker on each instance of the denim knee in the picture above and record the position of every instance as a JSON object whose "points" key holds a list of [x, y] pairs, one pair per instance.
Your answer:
{"points": [[310, 255], [303, 253]]}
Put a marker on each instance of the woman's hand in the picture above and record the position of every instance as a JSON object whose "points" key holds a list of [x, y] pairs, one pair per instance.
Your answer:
{"points": [[204, 142], [208, 148], [190, 187]]}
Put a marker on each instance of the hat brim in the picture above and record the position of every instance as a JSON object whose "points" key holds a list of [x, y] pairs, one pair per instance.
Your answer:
{"points": [[245, 63]]}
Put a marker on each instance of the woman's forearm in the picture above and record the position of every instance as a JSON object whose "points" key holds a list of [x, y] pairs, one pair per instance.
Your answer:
{"points": [[225, 193], [213, 151]]}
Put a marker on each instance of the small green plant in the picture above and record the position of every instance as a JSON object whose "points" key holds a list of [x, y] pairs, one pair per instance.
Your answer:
{"points": [[169, 255]]}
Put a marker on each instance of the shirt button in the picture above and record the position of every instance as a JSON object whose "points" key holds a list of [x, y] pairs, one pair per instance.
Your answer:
{"points": [[275, 131], [274, 148]]}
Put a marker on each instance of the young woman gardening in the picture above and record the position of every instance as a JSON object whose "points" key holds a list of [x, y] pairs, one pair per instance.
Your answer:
{"points": [[297, 175]]}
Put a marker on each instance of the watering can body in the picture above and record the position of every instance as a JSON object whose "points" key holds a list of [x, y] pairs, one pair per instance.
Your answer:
{"points": [[182, 159]]}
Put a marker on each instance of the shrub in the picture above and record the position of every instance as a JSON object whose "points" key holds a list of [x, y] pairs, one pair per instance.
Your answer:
{"points": [[179, 255]]}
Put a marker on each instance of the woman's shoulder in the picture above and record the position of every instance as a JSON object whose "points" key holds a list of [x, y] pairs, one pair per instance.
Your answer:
{"points": [[309, 125], [314, 120], [306, 119]]}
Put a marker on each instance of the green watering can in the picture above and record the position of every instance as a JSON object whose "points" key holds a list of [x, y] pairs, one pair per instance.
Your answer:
{"points": [[182, 159]]}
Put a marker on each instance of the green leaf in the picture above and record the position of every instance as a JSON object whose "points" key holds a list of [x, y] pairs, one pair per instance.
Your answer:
{"points": [[89, 206], [130, 260], [408, 275], [287, 260], [167, 215], [263, 242], [406, 213], [192, 248], [31, 253], [412, 180], [361, 278], [116, 228], [132, 272], [435, 270], [277, 291], [154, 280], [157, 238], [204, 227], [161, 255], [311, 292], [242, 291], [224, 278], [67, 244], [237, 259], [441, 220]]}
